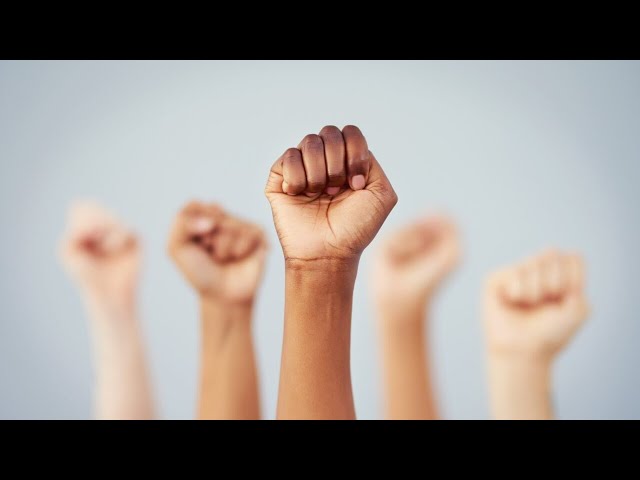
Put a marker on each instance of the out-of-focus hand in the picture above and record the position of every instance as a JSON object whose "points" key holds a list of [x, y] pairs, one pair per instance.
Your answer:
{"points": [[221, 256], [101, 255], [328, 196], [413, 261], [535, 307]]}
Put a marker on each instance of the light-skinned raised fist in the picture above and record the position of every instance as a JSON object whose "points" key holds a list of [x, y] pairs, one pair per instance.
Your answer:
{"points": [[221, 256], [102, 255], [413, 261], [328, 196], [535, 307]]}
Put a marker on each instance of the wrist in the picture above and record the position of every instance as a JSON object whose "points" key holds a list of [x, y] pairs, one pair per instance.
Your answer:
{"points": [[224, 302], [322, 264], [520, 363], [520, 356], [520, 387], [220, 310], [323, 276], [116, 311], [404, 311]]}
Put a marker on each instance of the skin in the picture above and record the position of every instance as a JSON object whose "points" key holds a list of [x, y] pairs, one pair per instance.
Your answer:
{"points": [[329, 197], [408, 268], [222, 258], [531, 312], [102, 256]]}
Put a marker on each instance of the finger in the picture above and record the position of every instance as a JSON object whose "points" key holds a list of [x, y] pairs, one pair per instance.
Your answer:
{"points": [[315, 167], [434, 229], [534, 282], [215, 211], [293, 175], [334, 152], [206, 242], [115, 241], [87, 215], [379, 185], [408, 241], [358, 159], [444, 240], [195, 219], [223, 243], [496, 286], [513, 288], [88, 225], [575, 308], [553, 276], [274, 181], [575, 273], [246, 242]]}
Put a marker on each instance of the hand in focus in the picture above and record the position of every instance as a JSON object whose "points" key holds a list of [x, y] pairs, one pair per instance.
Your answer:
{"points": [[328, 196], [101, 255], [413, 261], [221, 256], [534, 308]]}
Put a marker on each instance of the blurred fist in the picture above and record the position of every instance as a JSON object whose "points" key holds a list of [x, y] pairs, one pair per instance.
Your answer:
{"points": [[221, 256], [413, 261], [328, 196], [101, 254], [535, 307]]}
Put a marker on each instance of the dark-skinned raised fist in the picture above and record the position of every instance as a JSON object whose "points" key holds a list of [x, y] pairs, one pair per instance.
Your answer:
{"points": [[329, 196]]}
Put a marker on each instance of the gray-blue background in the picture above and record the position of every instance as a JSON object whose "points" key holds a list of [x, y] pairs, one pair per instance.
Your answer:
{"points": [[525, 155]]}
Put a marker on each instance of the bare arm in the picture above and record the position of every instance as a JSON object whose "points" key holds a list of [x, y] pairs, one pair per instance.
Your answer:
{"points": [[408, 269], [123, 389], [328, 197], [315, 375], [408, 386], [520, 388], [222, 258], [532, 311], [228, 376], [103, 258]]}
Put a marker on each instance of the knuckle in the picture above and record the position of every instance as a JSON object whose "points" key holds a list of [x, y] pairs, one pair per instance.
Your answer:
{"points": [[335, 177], [291, 154], [296, 185], [393, 197], [351, 129], [190, 206], [311, 142], [315, 185], [359, 160], [331, 132]]}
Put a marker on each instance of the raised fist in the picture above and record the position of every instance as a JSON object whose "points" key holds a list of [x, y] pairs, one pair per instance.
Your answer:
{"points": [[413, 261], [221, 256], [535, 307], [328, 196], [101, 254]]}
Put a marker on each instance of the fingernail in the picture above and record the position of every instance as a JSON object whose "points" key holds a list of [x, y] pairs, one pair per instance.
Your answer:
{"points": [[202, 224], [332, 190], [357, 182], [285, 187]]}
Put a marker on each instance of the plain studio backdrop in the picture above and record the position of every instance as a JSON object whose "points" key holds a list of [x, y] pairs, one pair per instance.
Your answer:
{"points": [[524, 155]]}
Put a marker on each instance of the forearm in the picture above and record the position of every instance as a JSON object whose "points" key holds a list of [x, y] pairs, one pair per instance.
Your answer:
{"points": [[407, 374], [123, 387], [315, 375], [520, 388], [228, 377]]}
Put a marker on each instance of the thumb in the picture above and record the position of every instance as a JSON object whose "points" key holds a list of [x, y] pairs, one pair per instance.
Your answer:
{"points": [[379, 185], [192, 221], [115, 240], [276, 177], [575, 308]]}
